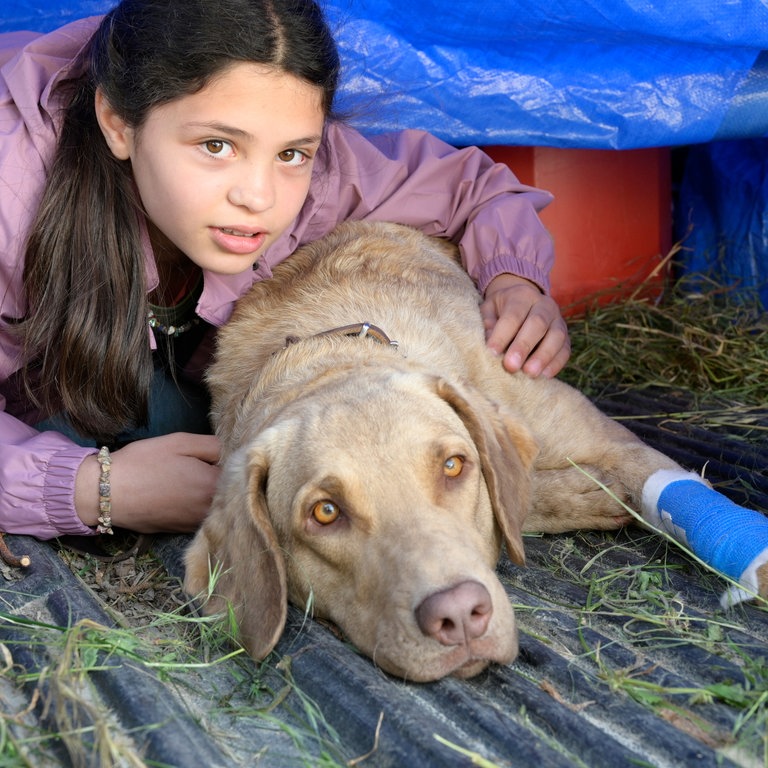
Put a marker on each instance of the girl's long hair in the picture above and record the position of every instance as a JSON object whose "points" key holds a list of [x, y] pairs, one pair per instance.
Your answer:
{"points": [[86, 332]]}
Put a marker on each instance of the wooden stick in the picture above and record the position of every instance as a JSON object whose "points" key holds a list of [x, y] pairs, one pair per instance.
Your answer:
{"points": [[9, 558]]}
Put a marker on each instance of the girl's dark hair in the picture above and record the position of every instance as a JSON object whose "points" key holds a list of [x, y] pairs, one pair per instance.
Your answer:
{"points": [[86, 333]]}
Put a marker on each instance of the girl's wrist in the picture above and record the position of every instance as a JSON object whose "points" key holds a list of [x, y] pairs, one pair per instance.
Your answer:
{"points": [[87, 491], [507, 280]]}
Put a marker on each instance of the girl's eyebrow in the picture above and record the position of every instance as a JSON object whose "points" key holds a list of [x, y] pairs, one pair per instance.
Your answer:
{"points": [[229, 130]]}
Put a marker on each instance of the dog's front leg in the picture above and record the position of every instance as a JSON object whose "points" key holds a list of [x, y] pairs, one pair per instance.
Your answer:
{"points": [[726, 536], [590, 469]]}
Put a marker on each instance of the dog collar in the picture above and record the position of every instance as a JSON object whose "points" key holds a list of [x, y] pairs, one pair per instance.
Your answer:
{"points": [[356, 330]]}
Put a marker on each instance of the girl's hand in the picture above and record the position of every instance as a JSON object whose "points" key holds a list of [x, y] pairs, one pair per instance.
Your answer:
{"points": [[525, 326], [159, 485]]}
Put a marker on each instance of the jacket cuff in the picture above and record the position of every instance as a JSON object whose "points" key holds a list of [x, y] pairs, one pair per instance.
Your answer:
{"points": [[509, 264], [59, 493]]}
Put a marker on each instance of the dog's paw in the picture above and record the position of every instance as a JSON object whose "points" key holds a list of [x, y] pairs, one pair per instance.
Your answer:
{"points": [[571, 498], [762, 580]]}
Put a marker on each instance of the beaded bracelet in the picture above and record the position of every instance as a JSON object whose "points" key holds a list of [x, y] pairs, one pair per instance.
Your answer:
{"points": [[105, 492]]}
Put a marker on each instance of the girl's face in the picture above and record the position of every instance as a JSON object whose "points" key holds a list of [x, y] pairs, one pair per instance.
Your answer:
{"points": [[222, 173]]}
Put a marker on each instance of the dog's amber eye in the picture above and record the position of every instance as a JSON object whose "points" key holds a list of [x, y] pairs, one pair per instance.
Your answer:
{"points": [[452, 466], [325, 512]]}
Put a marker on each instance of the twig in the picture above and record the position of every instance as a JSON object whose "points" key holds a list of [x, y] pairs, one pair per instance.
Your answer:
{"points": [[357, 760], [9, 558]]}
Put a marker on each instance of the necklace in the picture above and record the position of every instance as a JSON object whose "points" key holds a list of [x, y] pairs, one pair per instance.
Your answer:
{"points": [[170, 330], [177, 319]]}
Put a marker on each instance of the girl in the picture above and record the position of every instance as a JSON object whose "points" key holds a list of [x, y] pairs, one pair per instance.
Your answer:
{"points": [[154, 165]]}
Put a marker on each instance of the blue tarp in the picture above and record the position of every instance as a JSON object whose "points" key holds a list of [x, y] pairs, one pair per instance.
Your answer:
{"points": [[722, 213], [616, 74], [573, 73]]}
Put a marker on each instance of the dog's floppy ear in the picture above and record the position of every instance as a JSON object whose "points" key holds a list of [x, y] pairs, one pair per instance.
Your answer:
{"points": [[238, 545], [507, 450]]}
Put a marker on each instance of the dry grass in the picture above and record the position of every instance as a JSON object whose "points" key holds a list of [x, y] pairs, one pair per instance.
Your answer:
{"points": [[709, 340]]}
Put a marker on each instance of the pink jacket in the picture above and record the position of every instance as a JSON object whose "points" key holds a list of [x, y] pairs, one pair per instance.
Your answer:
{"points": [[409, 177]]}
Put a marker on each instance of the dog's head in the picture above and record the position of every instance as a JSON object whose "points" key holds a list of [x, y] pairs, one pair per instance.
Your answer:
{"points": [[381, 503]]}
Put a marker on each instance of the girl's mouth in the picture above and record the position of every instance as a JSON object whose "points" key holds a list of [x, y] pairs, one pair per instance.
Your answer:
{"points": [[238, 232], [238, 241]]}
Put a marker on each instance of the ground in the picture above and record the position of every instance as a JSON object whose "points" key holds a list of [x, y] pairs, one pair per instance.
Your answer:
{"points": [[627, 656]]}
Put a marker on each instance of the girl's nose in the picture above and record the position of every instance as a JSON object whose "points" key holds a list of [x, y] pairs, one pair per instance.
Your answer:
{"points": [[254, 190]]}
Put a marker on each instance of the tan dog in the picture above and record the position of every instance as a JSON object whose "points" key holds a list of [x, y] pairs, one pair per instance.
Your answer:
{"points": [[374, 483]]}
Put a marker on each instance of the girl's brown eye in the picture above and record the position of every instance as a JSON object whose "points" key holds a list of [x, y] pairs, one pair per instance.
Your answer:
{"points": [[325, 512], [292, 157], [452, 466], [214, 146]]}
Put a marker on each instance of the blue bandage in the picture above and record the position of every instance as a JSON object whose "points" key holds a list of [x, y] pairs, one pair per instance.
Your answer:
{"points": [[730, 538]]}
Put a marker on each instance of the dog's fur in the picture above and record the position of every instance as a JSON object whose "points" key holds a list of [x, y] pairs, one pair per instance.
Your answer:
{"points": [[375, 484]]}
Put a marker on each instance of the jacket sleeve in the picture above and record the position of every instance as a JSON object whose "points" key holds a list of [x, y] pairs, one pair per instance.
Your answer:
{"points": [[37, 469], [413, 178], [37, 480]]}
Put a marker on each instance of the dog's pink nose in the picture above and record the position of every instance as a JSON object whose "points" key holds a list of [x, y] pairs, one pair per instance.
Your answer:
{"points": [[457, 615]]}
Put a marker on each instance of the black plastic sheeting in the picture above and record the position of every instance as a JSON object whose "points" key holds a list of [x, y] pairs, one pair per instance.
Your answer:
{"points": [[551, 708]]}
